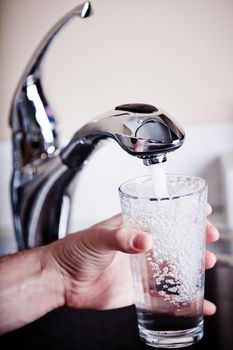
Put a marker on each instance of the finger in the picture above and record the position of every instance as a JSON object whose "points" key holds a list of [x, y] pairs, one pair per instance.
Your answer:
{"points": [[121, 239], [210, 259], [212, 233], [208, 209], [209, 308]]}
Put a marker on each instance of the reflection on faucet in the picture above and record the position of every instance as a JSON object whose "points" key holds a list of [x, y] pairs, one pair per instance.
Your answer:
{"points": [[43, 173], [139, 145]]}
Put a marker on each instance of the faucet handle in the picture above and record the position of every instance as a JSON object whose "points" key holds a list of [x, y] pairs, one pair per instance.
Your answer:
{"points": [[31, 118]]}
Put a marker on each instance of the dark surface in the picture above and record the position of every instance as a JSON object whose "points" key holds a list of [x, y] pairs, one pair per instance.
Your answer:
{"points": [[117, 329]]}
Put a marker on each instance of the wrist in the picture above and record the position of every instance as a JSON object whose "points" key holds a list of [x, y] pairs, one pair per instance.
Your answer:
{"points": [[52, 279]]}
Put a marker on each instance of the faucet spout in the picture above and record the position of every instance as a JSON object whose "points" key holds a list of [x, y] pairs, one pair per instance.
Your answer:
{"points": [[142, 130]]}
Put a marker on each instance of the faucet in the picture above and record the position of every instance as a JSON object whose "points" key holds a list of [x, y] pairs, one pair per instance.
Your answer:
{"points": [[43, 172]]}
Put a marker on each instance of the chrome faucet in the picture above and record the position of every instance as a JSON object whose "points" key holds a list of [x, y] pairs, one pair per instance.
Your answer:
{"points": [[43, 173]]}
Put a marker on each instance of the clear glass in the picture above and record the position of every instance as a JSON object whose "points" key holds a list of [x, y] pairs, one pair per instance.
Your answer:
{"points": [[168, 279]]}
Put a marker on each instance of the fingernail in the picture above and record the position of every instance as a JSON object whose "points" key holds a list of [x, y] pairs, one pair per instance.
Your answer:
{"points": [[213, 306], [208, 209], [216, 231], [214, 259], [213, 228], [138, 242]]}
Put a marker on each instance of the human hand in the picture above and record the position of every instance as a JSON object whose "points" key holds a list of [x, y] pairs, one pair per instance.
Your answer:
{"points": [[95, 269]]}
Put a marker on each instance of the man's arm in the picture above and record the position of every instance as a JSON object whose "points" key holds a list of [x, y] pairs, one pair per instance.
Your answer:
{"points": [[87, 269], [28, 288]]}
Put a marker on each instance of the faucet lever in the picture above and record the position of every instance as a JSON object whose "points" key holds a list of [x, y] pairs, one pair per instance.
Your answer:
{"points": [[31, 118], [137, 108]]}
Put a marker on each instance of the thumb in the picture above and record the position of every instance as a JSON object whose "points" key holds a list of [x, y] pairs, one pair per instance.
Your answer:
{"points": [[121, 238]]}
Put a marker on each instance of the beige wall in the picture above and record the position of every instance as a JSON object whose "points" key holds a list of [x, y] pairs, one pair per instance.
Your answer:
{"points": [[177, 54]]}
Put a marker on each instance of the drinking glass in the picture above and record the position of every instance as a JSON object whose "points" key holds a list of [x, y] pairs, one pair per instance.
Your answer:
{"points": [[169, 278]]}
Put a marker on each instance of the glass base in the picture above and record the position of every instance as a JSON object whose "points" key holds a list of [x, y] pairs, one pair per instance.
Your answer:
{"points": [[171, 339]]}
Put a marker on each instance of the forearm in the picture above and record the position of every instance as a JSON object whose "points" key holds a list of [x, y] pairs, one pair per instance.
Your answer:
{"points": [[29, 288]]}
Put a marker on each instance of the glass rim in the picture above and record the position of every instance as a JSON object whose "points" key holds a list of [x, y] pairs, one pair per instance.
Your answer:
{"points": [[190, 193]]}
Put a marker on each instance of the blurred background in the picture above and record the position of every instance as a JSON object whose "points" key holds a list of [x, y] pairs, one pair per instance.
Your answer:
{"points": [[176, 55]]}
